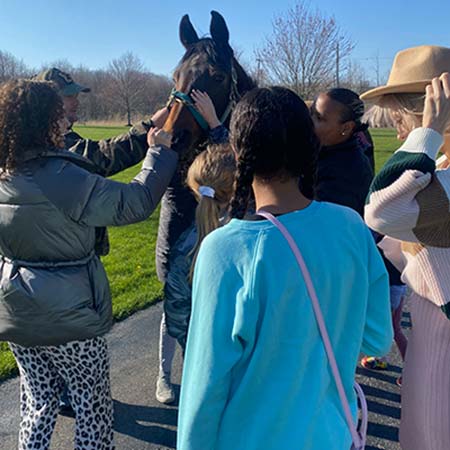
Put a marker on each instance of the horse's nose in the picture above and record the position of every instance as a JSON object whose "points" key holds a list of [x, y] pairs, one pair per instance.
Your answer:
{"points": [[181, 141]]}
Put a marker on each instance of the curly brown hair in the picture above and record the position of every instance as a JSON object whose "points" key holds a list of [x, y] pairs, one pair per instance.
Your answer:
{"points": [[30, 115]]}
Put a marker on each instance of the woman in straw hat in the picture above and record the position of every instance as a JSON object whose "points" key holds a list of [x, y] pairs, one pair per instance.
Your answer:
{"points": [[410, 202]]}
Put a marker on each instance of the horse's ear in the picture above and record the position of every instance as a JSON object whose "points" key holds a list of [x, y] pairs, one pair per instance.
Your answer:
{"points": [[218, 29], [188, 35]]}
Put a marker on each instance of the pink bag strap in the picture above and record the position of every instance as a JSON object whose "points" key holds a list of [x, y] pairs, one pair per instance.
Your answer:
{"points": [[358, 440]]}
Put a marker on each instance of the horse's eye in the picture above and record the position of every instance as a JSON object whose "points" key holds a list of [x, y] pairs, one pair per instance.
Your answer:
{"points": [[219, 77]]}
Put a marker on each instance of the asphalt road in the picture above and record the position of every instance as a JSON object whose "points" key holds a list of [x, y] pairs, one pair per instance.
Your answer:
{"points": [[143, 423]]}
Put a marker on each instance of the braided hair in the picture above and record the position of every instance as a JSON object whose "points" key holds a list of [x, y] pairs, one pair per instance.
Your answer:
{"points": [[352, 107], [273, 134]]}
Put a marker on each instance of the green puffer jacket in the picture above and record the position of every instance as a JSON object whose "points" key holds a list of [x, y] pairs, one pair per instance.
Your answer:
{"points": [[53, 288]]}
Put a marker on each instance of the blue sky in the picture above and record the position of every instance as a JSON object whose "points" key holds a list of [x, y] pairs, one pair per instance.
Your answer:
{"points": [[94, 32]]}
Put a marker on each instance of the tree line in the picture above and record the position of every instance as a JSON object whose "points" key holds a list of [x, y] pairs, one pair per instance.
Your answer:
{"points": [[123, 91], [306, 50]]}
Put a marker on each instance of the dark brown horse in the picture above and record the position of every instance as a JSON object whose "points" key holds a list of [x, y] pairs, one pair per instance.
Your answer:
{"points": [[208, 65]]}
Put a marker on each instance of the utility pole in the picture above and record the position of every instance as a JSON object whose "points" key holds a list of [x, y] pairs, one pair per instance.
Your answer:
{"points": [[337, 64]]}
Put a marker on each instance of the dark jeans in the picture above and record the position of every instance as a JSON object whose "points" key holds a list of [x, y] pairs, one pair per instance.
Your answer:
{"points": [[177, 214]]}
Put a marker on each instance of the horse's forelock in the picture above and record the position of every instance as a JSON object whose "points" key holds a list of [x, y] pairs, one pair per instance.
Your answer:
{"points": [[215, 55]]}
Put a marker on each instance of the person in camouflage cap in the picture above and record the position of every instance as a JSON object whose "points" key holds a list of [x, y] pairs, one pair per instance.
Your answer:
{"points": [[112, 155], [109, 156]]}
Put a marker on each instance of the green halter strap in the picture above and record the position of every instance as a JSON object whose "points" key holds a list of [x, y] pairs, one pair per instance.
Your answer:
{"points": [[186, 100]]}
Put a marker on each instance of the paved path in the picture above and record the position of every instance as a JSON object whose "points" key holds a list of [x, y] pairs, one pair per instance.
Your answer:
{"points": [[141, 423]]}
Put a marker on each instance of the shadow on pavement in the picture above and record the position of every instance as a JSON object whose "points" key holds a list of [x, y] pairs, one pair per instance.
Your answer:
{"points": [[372, 391], [406, 320], [143, 423], [383, 409], [383, 431], [384, 405], [378, 375]]}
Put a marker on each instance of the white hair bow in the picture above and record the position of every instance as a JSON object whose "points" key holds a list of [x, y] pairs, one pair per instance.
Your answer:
{"points": [[206, 191]]}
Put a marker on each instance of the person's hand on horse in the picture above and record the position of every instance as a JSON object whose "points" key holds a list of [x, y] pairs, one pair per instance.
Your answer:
{"points": [[156, 136], [159, 117], [436, 114], [205, 107]]}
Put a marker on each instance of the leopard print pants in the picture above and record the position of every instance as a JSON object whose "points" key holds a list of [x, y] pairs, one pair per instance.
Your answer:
{"points": [[84, 367]]}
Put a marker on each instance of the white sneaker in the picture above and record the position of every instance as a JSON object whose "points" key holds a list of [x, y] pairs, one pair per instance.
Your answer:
{"points": [[164, 389]]}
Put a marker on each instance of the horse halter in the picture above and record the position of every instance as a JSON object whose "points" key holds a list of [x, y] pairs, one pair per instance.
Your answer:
{"points": [[187, 101]]}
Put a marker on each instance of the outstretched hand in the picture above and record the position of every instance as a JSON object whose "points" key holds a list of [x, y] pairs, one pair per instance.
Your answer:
{"points": [[436, 114], [157, 136], [205, 107]]}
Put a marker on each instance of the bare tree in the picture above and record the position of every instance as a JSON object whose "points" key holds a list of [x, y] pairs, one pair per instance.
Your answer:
{"points": [[11, 67], [126, 86], [95, 105], [123, 89], [156, 92], [306, 50], [356, 78]]}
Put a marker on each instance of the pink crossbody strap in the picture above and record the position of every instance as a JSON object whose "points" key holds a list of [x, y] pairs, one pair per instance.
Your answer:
{"points": [[357, 438]]}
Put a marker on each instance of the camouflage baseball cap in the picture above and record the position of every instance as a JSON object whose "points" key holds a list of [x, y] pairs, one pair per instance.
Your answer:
{"points": [[63, 80]]}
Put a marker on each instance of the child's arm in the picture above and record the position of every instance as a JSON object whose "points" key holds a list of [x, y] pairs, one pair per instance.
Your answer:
{"points": [[378, 333]]}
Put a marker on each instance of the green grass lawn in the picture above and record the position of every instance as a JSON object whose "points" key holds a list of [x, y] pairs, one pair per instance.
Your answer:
{"points": [[131, 262]]}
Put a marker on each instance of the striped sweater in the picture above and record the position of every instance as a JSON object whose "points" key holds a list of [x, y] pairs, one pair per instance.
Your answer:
{"points": [[409, 200]]}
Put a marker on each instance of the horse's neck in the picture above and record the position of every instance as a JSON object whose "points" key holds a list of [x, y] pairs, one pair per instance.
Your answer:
{"points": [[244, 81]]}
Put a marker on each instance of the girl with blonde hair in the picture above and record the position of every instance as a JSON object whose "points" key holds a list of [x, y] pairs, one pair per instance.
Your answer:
{"points": [[210, 177], [409, 202]]}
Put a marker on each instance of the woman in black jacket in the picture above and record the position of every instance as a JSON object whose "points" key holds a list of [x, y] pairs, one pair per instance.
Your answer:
{"points": [[344, 171]]}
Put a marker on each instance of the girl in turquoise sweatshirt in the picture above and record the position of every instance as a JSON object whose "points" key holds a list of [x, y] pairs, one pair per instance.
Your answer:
{"points": [[256, 375]]}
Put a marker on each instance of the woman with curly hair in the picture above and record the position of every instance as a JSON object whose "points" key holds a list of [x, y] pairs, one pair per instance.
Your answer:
{"points": [[55, 302], [256, 375]]}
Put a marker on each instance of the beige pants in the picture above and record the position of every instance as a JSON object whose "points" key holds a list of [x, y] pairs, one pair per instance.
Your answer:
{"points": [[425, 421]]}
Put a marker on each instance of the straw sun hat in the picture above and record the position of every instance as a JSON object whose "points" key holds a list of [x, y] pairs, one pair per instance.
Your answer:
{"points": [[412, 70]]}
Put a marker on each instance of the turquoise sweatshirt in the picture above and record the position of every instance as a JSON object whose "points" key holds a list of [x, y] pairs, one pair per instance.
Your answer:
{"points": [[256, 376]]}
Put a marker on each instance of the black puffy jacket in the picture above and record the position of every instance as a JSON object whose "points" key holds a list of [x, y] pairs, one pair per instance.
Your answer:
{"points": [[344, 175]]}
